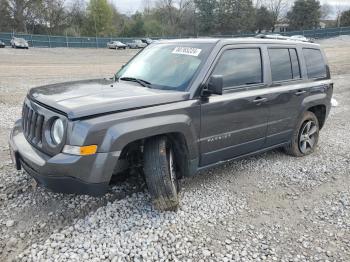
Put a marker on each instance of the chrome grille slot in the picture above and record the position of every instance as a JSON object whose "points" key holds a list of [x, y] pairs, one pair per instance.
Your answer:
{"points": [[39, 129], [29, 122], [32, 124]]}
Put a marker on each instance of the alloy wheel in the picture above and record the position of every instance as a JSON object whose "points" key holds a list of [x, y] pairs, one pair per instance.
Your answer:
{"points": [[308, 136]]}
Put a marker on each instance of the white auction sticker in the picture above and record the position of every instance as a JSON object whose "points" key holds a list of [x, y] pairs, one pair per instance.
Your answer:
{"points": [[187, 51]]}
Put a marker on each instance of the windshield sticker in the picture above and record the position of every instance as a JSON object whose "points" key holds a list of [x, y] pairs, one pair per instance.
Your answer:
{"points": [[187, 51]]}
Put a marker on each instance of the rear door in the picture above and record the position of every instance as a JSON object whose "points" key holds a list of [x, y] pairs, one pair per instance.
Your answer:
{"points": [[286, 93], [235, 123]]}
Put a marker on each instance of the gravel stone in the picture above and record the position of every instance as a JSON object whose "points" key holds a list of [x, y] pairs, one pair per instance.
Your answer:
{"points": [[10, 223]]}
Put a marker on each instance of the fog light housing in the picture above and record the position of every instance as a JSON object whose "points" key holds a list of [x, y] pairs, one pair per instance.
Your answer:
{"points": [[80, 150]]}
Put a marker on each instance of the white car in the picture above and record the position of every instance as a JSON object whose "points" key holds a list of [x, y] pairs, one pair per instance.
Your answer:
{"points": [[136, 44], [19, 43], [116, 45]]}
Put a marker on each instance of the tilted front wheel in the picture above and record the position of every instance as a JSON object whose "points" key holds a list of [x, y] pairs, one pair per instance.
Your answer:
{"points": [[305, 136], [160, 173]]}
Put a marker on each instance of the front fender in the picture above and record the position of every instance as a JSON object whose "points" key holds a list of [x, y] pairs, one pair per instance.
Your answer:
{"points": [[121, 134]]}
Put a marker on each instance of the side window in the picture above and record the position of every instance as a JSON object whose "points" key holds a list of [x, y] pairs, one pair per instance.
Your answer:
{"points": [[281, 68], [295, 63], [284, 64], [240, 67], [316, 67]]}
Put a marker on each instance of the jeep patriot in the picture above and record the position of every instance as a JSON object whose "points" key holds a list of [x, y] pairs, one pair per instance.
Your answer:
{"points": [[176, 108]]}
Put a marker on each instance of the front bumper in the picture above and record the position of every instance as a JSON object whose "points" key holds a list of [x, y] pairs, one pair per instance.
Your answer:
{"points": [[63, 173]]}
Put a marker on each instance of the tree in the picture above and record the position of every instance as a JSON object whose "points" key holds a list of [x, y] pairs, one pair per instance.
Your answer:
{"points": [[206, 16], [153, 27], [345, 18], [5, 16], [76, 18], [54, 15], [99, 18], [136, 26], [118, 22], [187, 20], [23, 12], [277, 8], [264, 19], [305, 14], [235, 16], [326, 11], [339, 7]]}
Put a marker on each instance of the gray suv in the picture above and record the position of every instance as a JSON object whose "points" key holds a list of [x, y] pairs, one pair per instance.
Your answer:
{"points": [[176, 108]]}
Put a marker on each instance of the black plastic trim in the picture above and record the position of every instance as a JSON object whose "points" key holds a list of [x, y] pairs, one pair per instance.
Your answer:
{"points": [[68, 185]]}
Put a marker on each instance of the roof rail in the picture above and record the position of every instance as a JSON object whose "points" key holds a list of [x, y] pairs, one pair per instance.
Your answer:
{"points": [[281, 37]]}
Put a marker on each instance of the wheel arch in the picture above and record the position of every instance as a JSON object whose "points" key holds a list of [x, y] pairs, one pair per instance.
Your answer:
{"points": [[122, 134], [179, 128], [320, 112], [181, 149]]}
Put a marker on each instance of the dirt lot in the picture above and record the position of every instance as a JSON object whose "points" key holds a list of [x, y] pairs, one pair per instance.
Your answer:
{"points": [[269, 207]]}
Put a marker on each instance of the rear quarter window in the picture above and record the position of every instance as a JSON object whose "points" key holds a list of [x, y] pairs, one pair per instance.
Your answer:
{"points": [[315, 64]]}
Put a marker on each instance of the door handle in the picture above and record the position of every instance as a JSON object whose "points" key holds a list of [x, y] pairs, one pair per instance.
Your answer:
{"points": [[300, 92], [259, 100]]}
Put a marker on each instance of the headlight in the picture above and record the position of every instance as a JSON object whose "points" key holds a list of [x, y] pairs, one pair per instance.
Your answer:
{"points": [[57, 131]]}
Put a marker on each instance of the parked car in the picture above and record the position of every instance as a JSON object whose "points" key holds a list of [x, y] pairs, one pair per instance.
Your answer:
{"points": [[147, 41], [136, 44], [2, 44], [178, 107], [116, 45], [19, 43]]}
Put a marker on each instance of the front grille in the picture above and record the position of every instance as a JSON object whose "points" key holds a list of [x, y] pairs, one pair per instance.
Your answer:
{"points": [[32, 123]]}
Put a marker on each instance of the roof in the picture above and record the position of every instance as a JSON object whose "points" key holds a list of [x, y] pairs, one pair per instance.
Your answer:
{"points": [[239, 40]]}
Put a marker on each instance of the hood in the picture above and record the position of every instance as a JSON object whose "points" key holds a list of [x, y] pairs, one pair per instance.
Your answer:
{"points": [[93, 97]]}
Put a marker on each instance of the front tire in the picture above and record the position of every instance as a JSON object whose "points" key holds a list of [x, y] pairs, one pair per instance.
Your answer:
{"points": [[160, 173], [305, 136]]}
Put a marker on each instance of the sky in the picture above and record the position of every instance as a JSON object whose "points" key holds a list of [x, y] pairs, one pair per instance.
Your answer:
{"points": [[131, 6]]}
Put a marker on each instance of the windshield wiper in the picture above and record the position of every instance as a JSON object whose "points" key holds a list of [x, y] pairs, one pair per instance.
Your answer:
{"points": [[144, 83]]}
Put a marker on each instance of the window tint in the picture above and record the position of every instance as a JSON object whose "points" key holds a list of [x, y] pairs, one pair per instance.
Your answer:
{"points": [[281, 68], [284, 64], [316, 67], [240, 67], [295, 63]]}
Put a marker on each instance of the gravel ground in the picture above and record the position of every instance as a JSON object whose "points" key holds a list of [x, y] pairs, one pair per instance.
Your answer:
{"points": [[269, 207]]}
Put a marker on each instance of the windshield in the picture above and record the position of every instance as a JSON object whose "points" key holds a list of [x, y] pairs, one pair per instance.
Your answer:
{"points": [[20, 40], [167, 66]]}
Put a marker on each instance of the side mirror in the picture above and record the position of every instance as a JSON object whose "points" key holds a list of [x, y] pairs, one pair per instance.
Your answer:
{"points": [[215, 84]]}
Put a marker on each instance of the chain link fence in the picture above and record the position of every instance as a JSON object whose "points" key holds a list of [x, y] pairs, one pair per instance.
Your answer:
{"points": [[101, 42]]}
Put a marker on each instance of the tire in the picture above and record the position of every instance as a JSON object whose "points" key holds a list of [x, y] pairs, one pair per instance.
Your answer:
{"points": [[305, 136], [160, 173]]}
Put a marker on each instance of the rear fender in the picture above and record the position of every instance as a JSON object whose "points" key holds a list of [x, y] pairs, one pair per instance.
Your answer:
{"points": [[315, 100]]}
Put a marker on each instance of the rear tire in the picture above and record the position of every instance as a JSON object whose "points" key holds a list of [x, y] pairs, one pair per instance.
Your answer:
{"points": [[305, 136], [160, 173]]}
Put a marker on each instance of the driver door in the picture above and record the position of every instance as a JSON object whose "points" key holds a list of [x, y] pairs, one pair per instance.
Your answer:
{"points": [[235, 123]]}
